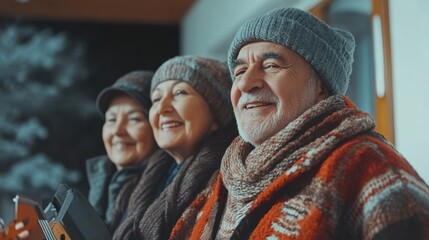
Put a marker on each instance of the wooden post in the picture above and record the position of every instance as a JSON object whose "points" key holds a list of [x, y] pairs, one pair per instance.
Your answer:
{"points": [[383, 69]]}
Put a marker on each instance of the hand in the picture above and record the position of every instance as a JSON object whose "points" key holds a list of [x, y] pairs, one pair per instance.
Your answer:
{"points": [[24, 234]]}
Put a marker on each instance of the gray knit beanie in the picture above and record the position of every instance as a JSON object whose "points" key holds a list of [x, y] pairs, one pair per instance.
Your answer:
{"points": [[135, 84], [329, 50], [209, 77]]}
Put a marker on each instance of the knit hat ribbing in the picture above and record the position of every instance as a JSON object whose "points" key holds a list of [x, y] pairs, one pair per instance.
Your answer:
{"points": [[209, 77], [328, 50], [135, 84]]}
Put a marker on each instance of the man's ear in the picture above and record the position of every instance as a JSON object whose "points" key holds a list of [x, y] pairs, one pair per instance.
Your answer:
{"points": [[322, 91]]}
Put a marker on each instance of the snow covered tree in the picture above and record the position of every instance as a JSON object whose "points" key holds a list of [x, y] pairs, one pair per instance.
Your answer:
{"points": [[38, 69]]}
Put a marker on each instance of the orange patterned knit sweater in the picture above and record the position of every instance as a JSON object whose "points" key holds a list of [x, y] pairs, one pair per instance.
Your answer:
{"points": [[327, 175]]}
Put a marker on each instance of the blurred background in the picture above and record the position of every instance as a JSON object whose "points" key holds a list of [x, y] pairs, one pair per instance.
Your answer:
{"points": [[56, 56]]}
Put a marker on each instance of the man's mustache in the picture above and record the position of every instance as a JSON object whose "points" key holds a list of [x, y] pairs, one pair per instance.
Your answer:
{"points": [[258, 95]]}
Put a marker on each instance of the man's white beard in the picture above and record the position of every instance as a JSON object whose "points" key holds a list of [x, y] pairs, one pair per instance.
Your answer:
{"points": [[258, 133]]}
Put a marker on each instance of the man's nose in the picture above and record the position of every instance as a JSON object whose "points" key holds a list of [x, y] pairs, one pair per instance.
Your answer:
{"points": [[252, 78]]}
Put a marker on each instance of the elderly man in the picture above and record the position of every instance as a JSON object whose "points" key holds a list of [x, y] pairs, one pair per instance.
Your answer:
{"points": [[307, 164]]}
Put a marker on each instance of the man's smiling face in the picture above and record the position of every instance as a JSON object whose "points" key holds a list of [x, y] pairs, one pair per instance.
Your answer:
{"points": [[272, 86]]}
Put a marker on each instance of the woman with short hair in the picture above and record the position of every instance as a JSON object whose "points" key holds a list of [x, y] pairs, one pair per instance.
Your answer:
{"points": [[128, 140]]}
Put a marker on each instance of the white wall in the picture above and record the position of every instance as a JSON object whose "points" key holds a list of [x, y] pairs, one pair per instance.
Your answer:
{"points": [[410, 51], [209, 27]]}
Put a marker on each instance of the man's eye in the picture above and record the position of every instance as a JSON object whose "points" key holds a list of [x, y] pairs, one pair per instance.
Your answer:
{"points": [[239, 72], [270, 66]]}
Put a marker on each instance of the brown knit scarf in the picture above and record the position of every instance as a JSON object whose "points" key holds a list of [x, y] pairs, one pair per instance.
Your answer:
{"points": [[301, 145], [121, 204], [150, 218], [143, 195]]}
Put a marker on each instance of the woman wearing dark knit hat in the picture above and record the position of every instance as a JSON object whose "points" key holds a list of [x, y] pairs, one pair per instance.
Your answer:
{"points": [[192, 121], [128, 139]]}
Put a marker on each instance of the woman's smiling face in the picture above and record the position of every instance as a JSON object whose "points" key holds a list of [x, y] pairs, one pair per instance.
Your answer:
{"points": [[180, 118], [127, 134]]}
